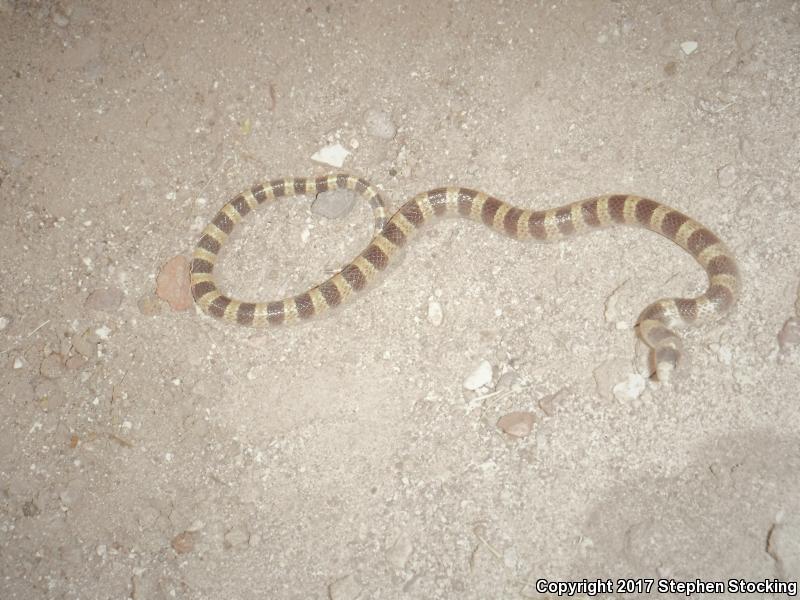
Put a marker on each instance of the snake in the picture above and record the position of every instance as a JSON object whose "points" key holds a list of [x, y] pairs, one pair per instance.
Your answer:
{"points": [[656, 324]]}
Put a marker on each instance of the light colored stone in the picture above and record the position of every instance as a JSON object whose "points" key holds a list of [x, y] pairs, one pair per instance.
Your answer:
{"points": [[631, 388], [435, 313], [333, 155], [400, 552], [480, 377], [346, 588], [688, 47]]}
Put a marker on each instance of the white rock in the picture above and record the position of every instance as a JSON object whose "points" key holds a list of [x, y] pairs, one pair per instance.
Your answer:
{"points": [[435, 314], [631, 388], [333, 155], [688, 47], [480, 377], [4, 322]]}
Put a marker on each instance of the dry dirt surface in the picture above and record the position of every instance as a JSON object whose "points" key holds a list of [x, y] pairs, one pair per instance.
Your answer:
{"points": [[479, 421]]}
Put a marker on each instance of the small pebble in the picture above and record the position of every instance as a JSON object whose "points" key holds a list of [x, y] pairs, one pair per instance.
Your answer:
{"points": [[236, 537], [507, 380], [52, 366], [379, 124], [516, 424], [183, 542], [688, 47], [399, 553], [105, 299], [631, 388], [149, 305], [4, 322], [334, 204], [346, 588], [789, 335], [60, 16], [333, 155], [480, 377], [782, 544], [174, 283], [726, 176], [29, 509], [85, 344], [435, 314]]}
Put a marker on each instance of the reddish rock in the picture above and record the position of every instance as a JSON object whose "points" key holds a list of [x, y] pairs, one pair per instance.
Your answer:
{"points": [[173, 283]]}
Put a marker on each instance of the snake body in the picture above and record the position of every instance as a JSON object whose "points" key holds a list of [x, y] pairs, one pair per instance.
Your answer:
{"points": [[656, 324]]}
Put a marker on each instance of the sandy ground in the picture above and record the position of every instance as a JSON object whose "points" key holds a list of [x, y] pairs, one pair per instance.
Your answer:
{"points": [[147, 452]]}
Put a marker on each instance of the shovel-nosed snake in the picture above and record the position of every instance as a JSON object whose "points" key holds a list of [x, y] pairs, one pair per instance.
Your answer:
{"points": [[656, 324]]}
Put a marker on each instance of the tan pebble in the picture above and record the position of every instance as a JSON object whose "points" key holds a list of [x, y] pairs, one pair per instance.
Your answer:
{"points": [[789, 334], [236, 537], [782, 544], [85, 344], [183, 542], [608, 374], [346, 588], [726, 176], [52, 366], [149, 305], [507, 380], [517, 424], [75, 362], [174, 283], [105, 299], [399, 553], [547, 404]]}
